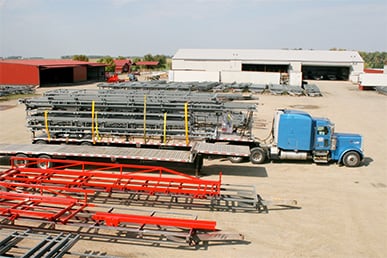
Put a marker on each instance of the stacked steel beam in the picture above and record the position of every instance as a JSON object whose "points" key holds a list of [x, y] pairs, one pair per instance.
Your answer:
{"points": [[127, 113]]}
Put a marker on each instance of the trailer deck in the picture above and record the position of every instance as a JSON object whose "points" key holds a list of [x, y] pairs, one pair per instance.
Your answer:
{"points": [[194, 155]]}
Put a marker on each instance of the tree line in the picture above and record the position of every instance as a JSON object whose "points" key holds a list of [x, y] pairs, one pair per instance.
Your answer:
{"points": [[374, 59], [162, 60]]}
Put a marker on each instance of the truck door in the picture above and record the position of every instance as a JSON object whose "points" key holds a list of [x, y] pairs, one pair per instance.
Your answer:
{"points": [[323, 138]]}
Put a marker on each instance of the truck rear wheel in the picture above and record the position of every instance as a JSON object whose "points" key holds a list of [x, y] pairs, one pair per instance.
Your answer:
{"points": [[257, 155], [351, 159]]}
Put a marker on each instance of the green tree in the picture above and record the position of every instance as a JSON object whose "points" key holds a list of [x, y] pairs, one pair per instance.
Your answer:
{"points": [[162, 59], [109, 61], [135, 67], [81, 58], [374, 59]]}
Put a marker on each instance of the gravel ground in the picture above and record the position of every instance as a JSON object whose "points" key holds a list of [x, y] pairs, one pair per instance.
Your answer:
{"points": [[342, 212]]}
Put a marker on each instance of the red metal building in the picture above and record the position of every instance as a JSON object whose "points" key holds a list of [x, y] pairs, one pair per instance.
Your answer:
{"points": [[122, 66], [49, 72], [147, 63]]}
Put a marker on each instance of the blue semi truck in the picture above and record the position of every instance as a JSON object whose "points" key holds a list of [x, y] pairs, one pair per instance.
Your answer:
{"points": [[296, 135]]}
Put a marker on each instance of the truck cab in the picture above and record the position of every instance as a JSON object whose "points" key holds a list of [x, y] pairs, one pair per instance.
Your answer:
{"points": [[298, 135]]}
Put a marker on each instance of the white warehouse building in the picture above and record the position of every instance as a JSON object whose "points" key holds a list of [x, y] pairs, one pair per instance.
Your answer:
{"points": [[264, 66]]}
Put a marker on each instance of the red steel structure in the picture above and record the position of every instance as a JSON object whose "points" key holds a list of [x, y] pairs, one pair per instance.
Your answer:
{"points": [[62, 210], [71, 215], [89, 177], [22, 205], [129, 185]]}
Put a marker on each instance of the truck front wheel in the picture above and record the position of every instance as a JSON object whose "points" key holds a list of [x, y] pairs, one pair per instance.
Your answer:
{"points": [[351, 159], [257, 155]]}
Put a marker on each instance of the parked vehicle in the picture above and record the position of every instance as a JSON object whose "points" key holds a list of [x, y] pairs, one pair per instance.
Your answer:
{"points": [[296, 135], [182, 124]]}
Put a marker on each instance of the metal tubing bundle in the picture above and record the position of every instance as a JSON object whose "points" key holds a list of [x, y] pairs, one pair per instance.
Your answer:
{"points": [[135, 113], [6, 90], [223, 89]]}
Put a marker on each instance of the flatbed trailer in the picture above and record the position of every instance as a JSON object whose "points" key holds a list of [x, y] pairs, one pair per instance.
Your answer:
{"points": [[193, 156]]}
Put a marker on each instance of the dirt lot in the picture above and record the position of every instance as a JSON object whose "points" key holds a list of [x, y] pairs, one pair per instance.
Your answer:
{"points": [[342, 211]]}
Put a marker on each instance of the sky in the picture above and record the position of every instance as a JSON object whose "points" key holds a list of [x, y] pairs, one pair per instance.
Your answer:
{"points": [[55, 28]]}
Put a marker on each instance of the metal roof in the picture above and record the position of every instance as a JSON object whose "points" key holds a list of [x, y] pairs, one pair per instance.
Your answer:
{"points": [[147, 63], [268, 55], [50, 63], [121, 62]]}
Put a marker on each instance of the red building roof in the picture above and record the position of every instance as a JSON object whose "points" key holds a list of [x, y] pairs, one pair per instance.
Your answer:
{"points": [[152, 63], [373, 70], [122, 62]]}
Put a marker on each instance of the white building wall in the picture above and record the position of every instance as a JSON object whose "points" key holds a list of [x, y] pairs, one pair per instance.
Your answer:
{"points": [[252, 77], [190, 76], [205, 62], [295, 66], [295, 78], [373, 79], [295, 74], [210, 66], [355, 70]]}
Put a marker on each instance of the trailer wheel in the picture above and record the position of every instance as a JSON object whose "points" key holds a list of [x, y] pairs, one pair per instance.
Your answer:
{"points": [[22, 163], [351, 159], [257, 156], [40, 142], [235, 159], [45, 162]]}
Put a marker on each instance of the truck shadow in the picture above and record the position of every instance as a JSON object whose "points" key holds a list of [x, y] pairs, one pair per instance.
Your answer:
{"points": [[367, 161], [234, 170]]}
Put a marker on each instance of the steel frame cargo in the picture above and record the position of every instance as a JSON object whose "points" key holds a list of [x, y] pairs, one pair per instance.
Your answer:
{"points": [[129, 184], [42, 213]]}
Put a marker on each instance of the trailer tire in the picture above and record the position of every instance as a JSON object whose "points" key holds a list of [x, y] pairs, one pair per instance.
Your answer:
{"points": [[46, 163], [257, 155], [40, 142], [351, 159], [21, 163]]}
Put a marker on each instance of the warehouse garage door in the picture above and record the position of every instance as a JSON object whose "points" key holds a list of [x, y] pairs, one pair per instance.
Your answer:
{"points": [[56, 75], [325, 72], [62, 74]]}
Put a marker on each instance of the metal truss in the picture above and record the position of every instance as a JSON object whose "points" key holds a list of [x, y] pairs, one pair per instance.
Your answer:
{"points": [[43, 213], [129, 185]]}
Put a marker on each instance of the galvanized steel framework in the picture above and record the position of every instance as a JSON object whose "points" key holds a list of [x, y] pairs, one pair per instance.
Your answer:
{"points": [[127, 114]]}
